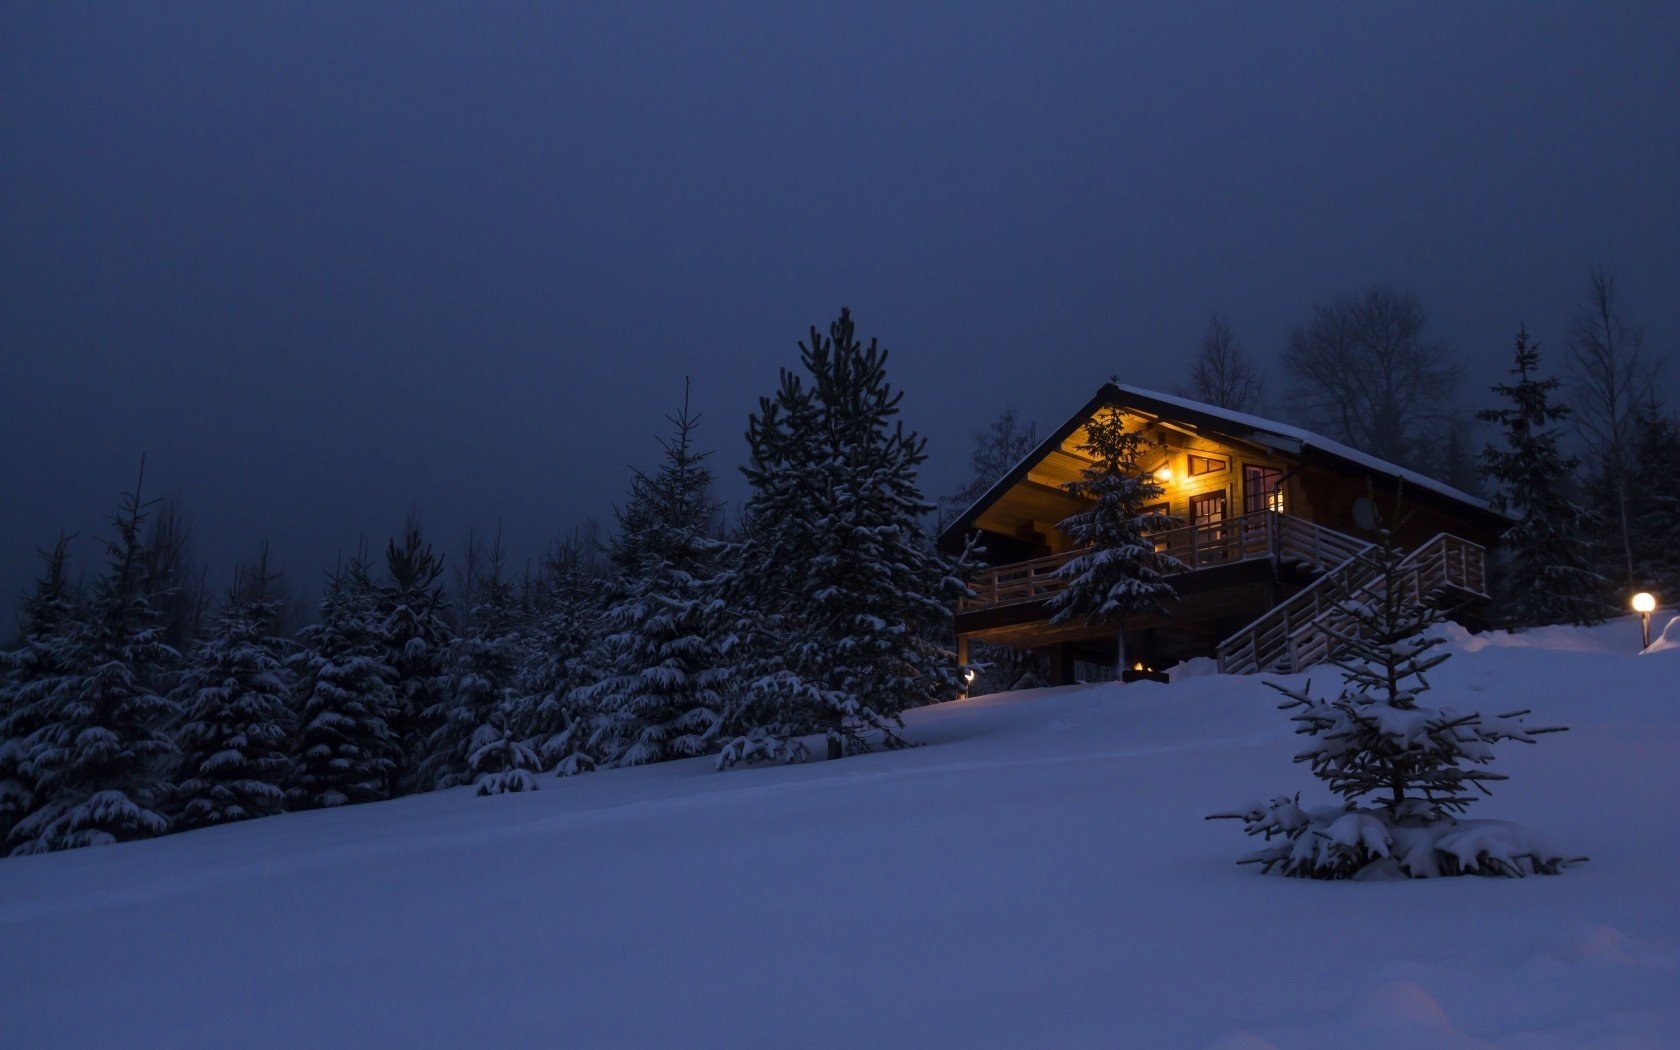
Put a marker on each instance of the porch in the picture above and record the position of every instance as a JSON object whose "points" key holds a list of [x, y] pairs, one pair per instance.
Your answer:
{"points": [[1258, 536]]}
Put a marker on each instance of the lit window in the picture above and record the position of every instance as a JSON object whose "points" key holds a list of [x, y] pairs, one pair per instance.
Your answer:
{"points": [[1262, 489], [1206, 464]]}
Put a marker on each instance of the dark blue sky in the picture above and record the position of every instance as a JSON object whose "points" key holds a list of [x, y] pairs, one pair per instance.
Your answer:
{"points": [[325, 262]]}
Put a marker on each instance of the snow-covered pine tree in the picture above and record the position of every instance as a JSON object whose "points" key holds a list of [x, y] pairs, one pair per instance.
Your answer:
{"points": [[501, 763], [842, 598], [345, 751], [550, 714], [413, 622], [480, 668], [665, 676], [1405, 770], [30, 677], [1118, 571], [1655, 502], [1545, 577], [100, 759], [236, 695]]}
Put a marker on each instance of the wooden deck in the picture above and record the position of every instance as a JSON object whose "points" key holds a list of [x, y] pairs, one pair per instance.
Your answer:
{"points": [[1252, 537]]}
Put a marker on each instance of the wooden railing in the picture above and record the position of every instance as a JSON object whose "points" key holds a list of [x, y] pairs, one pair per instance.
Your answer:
{"points": [[1264, 534], [1022, 581], [1304, 630]]}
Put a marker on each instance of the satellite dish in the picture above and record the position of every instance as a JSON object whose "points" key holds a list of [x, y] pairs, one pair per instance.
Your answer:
{"points": [[1365, 513]]}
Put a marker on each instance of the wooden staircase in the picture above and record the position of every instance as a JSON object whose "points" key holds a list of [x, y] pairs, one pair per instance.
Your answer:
{"points": [[1445, 572]]}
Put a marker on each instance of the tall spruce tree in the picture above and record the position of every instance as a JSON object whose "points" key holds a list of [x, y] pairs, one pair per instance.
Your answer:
{"points": [[236, 693], [415, 627], [31, 676], [346, 751], [1119, 571], [100, 759], [550, 712], [666, 678], [1546, 577], [480, 670], [1405, 770], [844, 601]]}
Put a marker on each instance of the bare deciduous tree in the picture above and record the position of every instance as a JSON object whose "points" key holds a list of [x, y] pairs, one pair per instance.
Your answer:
{"points": [[1223, 374], [1363, 371], [1611, 377], [996, 449]]}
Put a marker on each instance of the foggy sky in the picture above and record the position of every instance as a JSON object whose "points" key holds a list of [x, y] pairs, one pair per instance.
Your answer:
{"points": [[327, 262]]}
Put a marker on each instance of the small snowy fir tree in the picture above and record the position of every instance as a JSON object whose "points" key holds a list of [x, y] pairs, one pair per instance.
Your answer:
{"points": [[346, 751], [1545, 577], [501, 763], [1405, 770], [842, 601], [30, 677], [481, 666], [1655, 503], [1118, 571], [100, 759], [412, 611], [665, 676], [236, 692], [550, 714]]}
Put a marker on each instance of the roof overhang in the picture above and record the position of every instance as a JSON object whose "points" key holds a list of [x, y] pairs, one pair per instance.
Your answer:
{"points": [[1205, 420]]}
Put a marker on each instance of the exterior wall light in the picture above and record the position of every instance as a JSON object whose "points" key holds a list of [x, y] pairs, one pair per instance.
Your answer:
{"points": [[1645, 603]]}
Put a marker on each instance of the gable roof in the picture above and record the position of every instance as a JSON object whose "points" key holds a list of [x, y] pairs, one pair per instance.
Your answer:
{"points": [[1237, 426]]}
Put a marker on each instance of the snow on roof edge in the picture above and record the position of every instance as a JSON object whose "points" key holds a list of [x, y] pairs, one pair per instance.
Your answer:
{"points": [[1309, 439]]}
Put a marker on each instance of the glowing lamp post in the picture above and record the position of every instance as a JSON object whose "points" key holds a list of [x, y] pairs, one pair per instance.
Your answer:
{"points": [[1645, 603]]}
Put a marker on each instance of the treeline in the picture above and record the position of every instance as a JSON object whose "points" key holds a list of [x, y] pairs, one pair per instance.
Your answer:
{"points": [[822, 614], [1587, 455], [1365, 369], [1585, 458]]}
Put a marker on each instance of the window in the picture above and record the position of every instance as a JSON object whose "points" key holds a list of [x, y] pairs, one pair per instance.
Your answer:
{"points": [[1262, 489], [1208, 508], [1206, 464]]}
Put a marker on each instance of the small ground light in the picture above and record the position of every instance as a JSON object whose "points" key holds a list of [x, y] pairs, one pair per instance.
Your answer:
{"points": [[1645, 603]]}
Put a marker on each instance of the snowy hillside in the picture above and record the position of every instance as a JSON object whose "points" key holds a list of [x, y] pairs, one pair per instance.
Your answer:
{"points": [[1039, 873]]}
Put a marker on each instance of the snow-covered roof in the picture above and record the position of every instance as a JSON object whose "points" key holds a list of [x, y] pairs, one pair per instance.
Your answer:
{"points": [[1294, 439], [1269, 433]]}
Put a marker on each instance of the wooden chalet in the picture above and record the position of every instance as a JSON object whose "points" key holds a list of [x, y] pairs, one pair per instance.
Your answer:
{"points": [[1272, 522]]}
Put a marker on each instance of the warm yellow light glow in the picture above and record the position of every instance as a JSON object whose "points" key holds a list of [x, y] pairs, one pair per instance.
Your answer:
{"points": [[1138, 666], [968, 676], [1644, 602], [1164, 475]]}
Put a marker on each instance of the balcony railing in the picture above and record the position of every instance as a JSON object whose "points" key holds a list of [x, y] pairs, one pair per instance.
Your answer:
{"points": [[1263, 534]]}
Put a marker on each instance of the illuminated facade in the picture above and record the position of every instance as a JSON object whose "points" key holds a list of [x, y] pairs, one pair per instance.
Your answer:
{"points": [[1269, 522]]}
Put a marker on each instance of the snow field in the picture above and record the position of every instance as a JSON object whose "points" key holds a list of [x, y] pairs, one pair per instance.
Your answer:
{"points": [[1038, 873]]}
